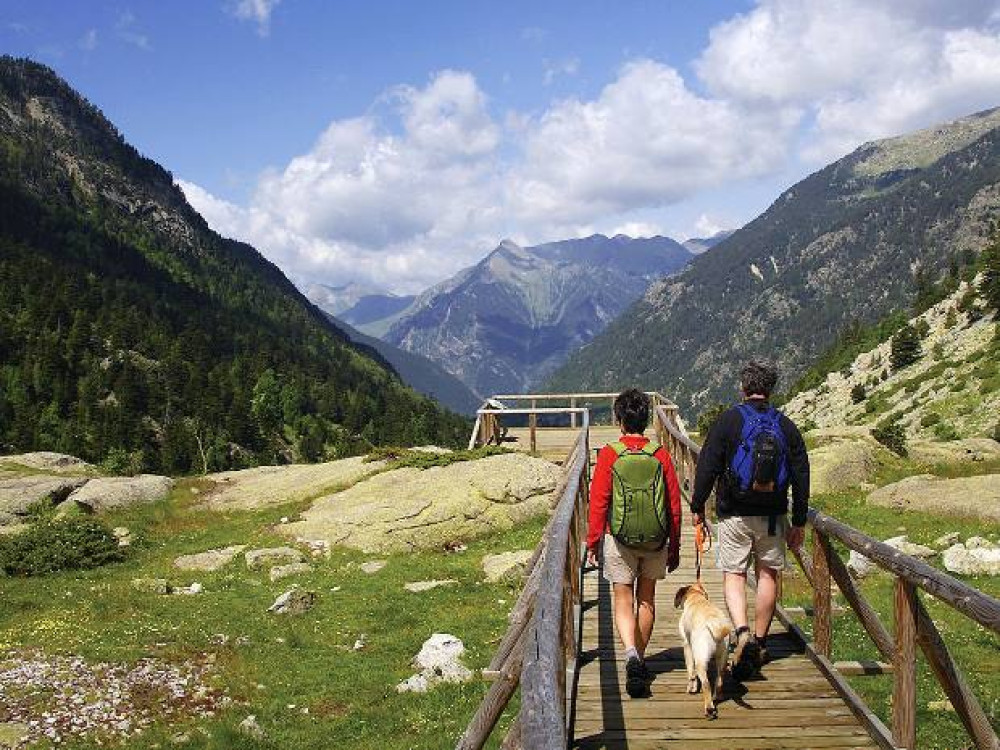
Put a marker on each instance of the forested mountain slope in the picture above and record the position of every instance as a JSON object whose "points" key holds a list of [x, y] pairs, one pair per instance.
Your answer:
{"points": [[131, 331], [843, 245]]}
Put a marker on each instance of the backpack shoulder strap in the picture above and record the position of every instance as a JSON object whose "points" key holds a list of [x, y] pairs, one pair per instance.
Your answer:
{"points": [[651, 447], [619, 448]]}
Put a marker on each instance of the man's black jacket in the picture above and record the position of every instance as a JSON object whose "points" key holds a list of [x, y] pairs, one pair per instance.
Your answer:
{"points": [[717, 452]]}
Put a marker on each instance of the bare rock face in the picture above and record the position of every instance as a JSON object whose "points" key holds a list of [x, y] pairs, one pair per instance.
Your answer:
{"points": [[976, 497], [843, 458], [209, 560], [292, 569], [47, 461], [105, 493], [19, 494], [969, 450], [506, 565], [262, 558], [274, 485], [293, 602], [409, 509]]}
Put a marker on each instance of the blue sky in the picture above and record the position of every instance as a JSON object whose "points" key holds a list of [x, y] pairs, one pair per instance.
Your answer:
{"points": [[395, 142]]}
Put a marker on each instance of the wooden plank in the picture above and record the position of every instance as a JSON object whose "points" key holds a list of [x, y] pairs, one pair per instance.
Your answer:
{"points": [[862, 667], [904, 691]]}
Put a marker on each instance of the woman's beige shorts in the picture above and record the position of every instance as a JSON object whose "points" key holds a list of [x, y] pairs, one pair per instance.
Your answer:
{"points": [[741, 535], [624, 564]]}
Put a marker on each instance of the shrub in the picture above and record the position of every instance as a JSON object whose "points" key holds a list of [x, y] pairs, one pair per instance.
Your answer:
{"points": [[892, 435], [66, 544], [122, 463], [858, 393], [922, 327], [708, 418], [930, 419], [996, 432], [905, 348], [951, 319], [938, 351], [945, 431]]}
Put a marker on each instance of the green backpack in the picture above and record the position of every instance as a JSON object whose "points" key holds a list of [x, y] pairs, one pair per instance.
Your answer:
{"points": [[638, 500]]}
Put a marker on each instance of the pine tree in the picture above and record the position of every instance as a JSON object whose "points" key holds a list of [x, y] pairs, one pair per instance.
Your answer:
{"points": [[905, 348], [990, 287]]}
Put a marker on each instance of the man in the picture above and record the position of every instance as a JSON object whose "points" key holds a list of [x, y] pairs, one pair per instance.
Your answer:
{"points": [[752, 455], [641, 536]]}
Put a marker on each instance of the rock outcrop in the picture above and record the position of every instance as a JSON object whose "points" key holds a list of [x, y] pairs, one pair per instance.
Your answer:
{"points": [[262, 558], [50, 463], [293, 602], [19, 494], [209, 560], [265, 486], [408, 509], [972, 560], [438, 661], [843, 458], [976, 497], [506, 566], [106, 493]]}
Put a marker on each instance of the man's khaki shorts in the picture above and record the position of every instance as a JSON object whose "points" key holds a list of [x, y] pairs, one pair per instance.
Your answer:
{"points": [[624, 564], [741, 535]]}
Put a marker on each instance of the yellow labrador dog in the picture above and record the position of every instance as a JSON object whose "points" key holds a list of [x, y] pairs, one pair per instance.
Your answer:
{"points": [[703, 629]]}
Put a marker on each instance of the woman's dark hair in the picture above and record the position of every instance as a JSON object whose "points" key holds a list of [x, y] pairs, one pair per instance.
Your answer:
{"points": [[758, 379], [632, 410]]}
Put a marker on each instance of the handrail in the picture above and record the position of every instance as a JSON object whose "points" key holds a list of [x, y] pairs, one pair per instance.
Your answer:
{"points": [[543, 623]]}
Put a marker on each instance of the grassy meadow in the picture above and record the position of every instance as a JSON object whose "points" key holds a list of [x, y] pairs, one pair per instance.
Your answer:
{"points": [[299, 675]]}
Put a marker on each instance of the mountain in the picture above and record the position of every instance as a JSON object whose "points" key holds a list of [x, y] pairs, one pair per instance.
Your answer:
{"points": [[131, 333], [336, 299], [506, 323], [846, 244], [698, 245], [951, 389], [359, 305], [419, 373]]}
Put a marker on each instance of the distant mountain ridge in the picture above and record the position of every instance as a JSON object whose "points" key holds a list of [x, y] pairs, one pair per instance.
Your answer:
{"points": [[842, 244], [507, 322], [420, 373]]}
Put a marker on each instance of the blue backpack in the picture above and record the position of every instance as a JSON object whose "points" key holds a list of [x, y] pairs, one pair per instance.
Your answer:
{"points": [[760, 463]]}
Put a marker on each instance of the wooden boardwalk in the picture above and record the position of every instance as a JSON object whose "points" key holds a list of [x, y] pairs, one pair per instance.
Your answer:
{"points": [[554, 442], [792, 705]]}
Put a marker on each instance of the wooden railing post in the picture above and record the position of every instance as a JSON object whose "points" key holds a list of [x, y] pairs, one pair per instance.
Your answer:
{"points": [[822, 624], [533, 428], [572, 416], [904, 692]]}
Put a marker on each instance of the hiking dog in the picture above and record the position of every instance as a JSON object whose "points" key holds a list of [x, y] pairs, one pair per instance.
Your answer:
{"points": [[703, 628]]}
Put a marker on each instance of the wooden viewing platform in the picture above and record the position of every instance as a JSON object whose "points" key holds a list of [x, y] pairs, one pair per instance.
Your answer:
{"points": [[562, 651]]}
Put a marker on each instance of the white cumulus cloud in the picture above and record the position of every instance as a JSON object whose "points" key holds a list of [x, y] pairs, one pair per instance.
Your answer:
{"points": [[258, 11], [858, 69]]}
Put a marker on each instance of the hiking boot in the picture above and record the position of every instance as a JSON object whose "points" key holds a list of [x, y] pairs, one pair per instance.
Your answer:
{"points": [[635, 678], [747, 657]]}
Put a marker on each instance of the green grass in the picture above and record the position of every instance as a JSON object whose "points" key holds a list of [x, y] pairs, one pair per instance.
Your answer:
{"points": [[975, 650], [285, 661]]}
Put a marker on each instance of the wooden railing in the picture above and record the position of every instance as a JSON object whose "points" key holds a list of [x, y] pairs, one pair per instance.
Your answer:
{"points": [[913, 625], [540, 648]]}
